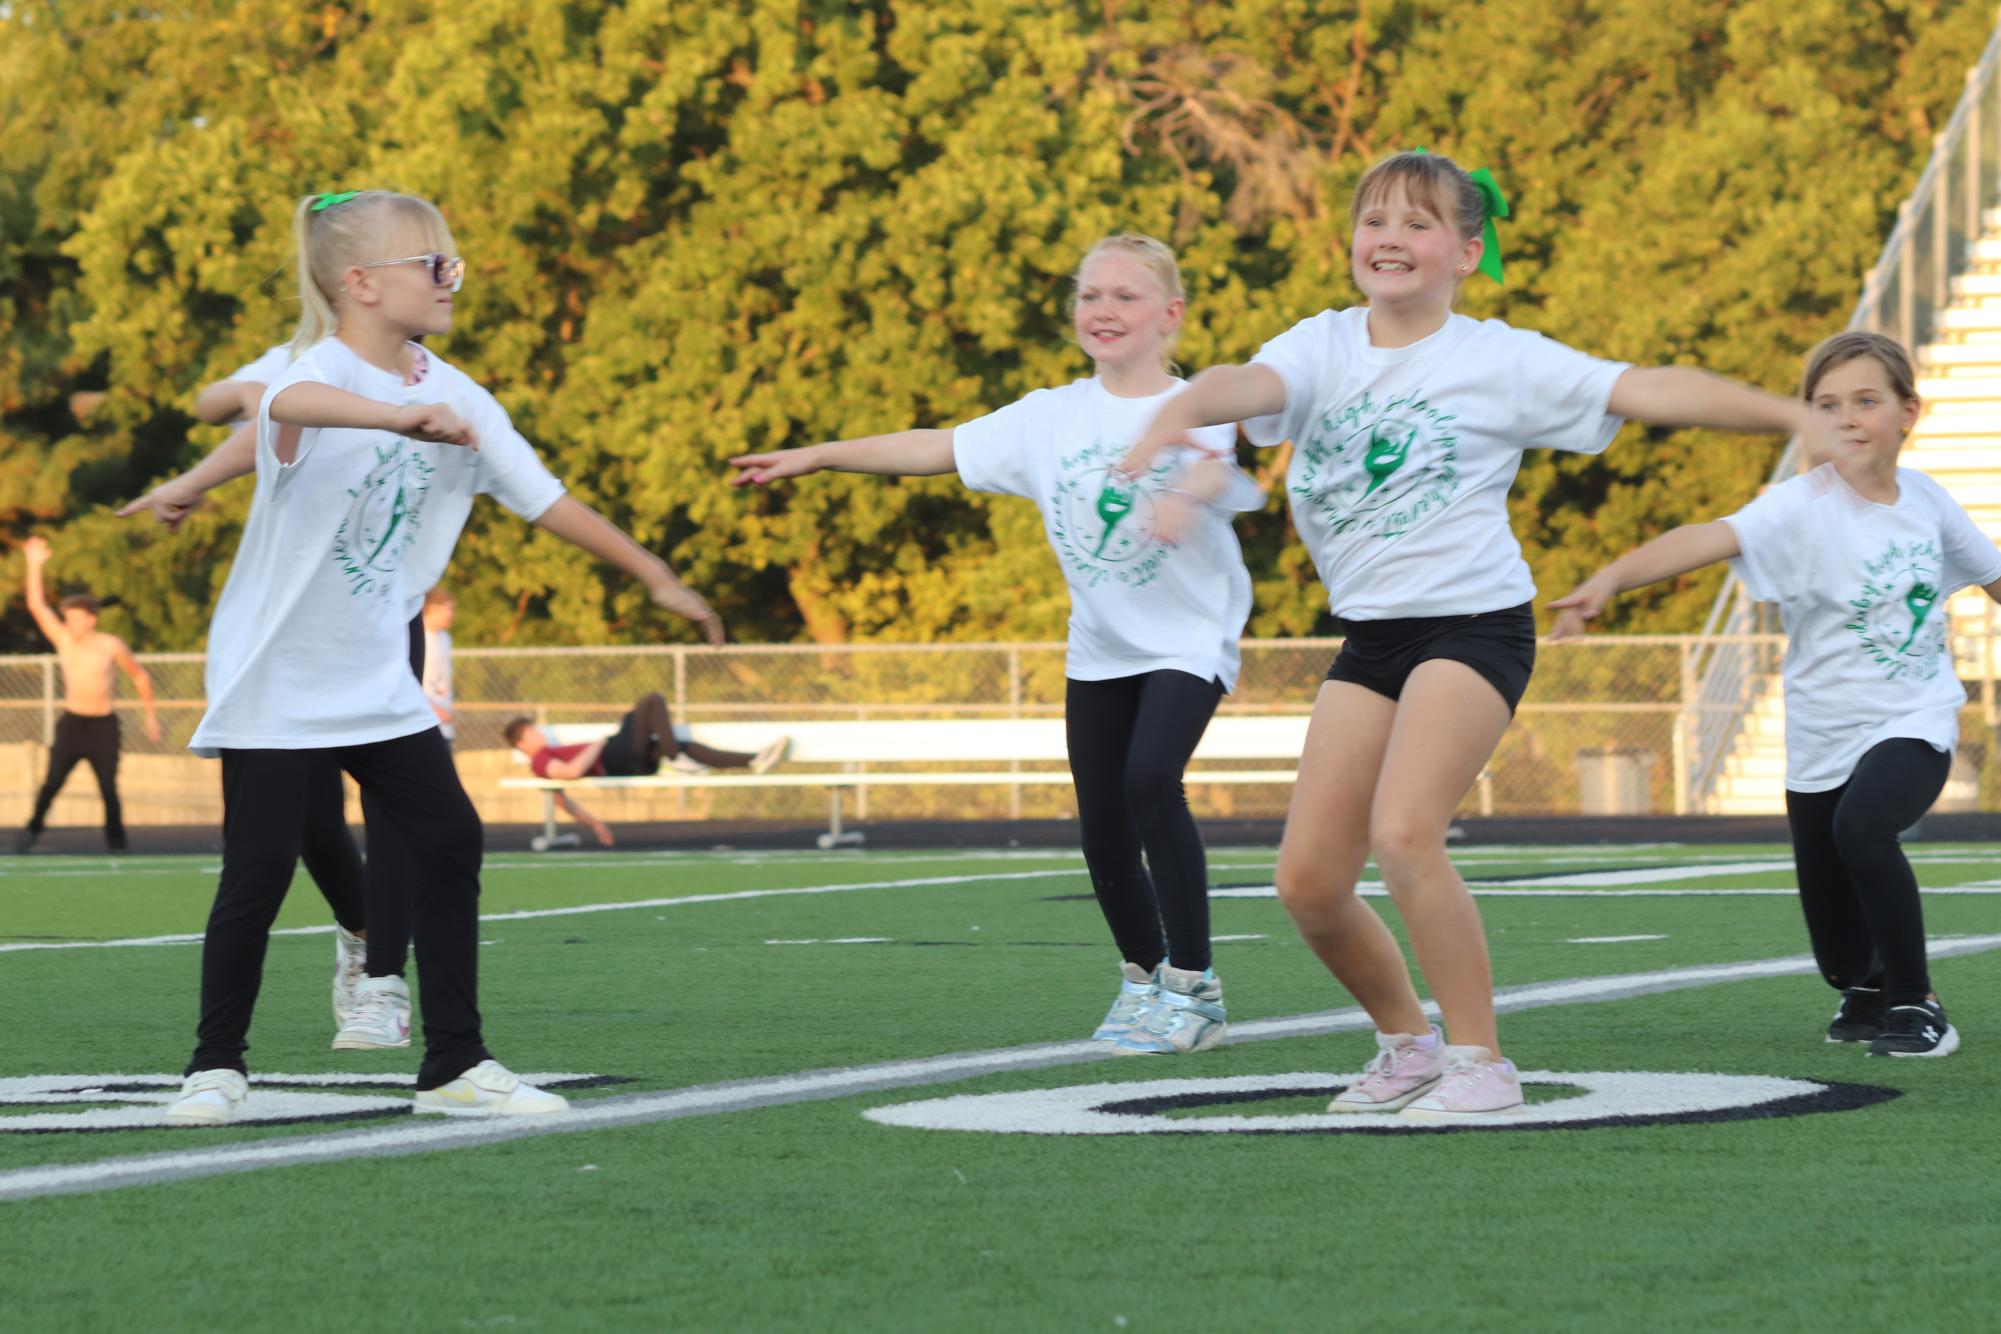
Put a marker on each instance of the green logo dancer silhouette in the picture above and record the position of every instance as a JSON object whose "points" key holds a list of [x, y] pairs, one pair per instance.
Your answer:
{"points": [[1384, 458], [1921, 599], [1113, 505]]}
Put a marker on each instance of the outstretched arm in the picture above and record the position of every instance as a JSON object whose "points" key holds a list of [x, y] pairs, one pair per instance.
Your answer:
{"points": [[581, 526], [142, 681], [1685, 396], [228, 400], [577, 811], [1678, 552], [922, 453], [36, 550], [307, 404], [1197, 485], [173, 500], [1219, 395]]}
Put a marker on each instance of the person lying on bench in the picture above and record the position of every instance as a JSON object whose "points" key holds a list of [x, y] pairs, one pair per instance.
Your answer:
{"points": [[645, 737]]}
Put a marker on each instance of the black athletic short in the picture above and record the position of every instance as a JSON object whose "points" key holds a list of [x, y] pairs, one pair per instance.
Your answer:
{"points": [[1381, 655]]}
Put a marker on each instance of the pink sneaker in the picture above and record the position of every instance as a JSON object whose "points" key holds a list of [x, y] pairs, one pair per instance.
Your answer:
{"points": [[1401, 1072], [1476, 1087]]}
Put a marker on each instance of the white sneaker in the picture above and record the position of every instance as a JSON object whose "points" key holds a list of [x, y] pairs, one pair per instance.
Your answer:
{"points": [[208, 1098], [771, 756], [380, 1017], [683, 763], [350, 966], [490, 1089]]}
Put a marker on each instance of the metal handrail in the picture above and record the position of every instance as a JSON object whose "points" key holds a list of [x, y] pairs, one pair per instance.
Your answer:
{"points": [[1731, 680]]}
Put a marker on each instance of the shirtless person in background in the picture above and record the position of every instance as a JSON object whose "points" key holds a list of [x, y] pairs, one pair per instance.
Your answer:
{"points": [[88, 728]]}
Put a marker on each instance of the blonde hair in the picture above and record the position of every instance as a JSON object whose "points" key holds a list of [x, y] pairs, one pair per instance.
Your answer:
{"points": [[365, 227], [1156, 257], [1428, 180], [1853, 346]]}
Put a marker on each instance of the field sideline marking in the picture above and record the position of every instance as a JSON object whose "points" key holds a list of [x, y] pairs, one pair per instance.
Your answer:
{"points": [[1553, 886], [819, 1085], [575, 910]]}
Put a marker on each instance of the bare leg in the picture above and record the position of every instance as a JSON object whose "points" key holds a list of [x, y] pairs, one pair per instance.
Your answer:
{"points": [[1447, 725], [1326, 844]]}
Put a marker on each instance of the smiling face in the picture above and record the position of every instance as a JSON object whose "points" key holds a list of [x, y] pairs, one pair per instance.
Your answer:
{"points": [[1857, 417], [1122, 315], [1405, 253]]}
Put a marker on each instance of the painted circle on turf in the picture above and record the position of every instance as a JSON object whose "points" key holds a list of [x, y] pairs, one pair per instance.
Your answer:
{"points": [[1608, 1098], [137, 1102]]}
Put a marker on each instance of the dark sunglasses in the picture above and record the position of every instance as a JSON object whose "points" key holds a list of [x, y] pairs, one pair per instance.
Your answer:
{"points": [[445, 270]]}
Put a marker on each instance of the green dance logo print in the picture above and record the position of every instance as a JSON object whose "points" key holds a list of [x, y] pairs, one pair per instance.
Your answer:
{"points": [[1102, 523], [1379, 467], [383, 517], [1899, 613]]}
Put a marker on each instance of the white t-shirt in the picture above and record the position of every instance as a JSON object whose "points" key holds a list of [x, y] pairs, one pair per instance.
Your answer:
{"points": [[310, 642], [1863, 588], [438, 674], [1136, 604], [264, 370], [1402, 457]]}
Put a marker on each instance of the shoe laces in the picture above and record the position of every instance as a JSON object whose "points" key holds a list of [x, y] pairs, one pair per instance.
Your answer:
{"points": [[1461, 1072], [1387, 1060]]}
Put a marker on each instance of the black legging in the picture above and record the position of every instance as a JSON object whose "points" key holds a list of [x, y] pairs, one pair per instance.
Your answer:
{"points": [[327, 847], [1130, 738], [1861, 900], [91, 740], [428, 814], [378, 894]]}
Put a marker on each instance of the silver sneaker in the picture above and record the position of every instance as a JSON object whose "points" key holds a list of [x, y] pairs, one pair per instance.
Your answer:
{"points": [[1186, 1017], [1137, 991], [350, 966], [381, 1016]]}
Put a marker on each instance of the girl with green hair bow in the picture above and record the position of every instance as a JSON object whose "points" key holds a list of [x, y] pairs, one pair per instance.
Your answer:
{"points": [[1407, 423]]}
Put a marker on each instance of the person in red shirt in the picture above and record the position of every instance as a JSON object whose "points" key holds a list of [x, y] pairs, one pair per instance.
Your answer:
{"points": [[644, 739]]}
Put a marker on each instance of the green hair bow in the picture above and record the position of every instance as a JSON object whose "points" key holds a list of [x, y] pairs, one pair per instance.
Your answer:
{"points": [[325, 202], [1493, 204]]}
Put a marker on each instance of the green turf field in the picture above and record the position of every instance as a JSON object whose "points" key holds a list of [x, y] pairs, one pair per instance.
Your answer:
{"points": [[729, 1179]]}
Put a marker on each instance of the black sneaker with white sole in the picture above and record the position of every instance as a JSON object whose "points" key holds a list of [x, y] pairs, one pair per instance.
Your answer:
{"points": [[1860, 1016], [1916, 1030]]}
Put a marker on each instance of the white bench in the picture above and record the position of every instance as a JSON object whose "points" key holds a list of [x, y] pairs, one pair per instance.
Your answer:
{"points": [[975, 744]]}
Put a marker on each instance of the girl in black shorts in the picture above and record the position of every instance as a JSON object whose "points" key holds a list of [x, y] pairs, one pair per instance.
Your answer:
{"points": [[1408, 424]]}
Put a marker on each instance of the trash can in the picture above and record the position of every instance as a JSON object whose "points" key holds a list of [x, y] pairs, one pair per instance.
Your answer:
{"points": [[1614, 780]]}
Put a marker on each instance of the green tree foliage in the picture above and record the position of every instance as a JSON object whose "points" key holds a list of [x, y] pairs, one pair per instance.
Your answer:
{"points": [[695, 230]]}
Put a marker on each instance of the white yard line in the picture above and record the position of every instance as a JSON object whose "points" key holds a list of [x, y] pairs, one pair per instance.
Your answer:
{"points": [[813, 1086], [1584, 884], [577, 910]]}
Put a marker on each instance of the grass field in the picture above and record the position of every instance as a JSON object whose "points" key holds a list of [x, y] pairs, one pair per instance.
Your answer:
{"points": [[729, 1179]]}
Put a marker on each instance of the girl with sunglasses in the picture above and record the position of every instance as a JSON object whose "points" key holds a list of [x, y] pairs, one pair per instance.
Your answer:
{"points": [[369, 452]]}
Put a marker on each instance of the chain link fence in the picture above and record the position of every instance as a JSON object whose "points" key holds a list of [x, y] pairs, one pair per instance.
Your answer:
{"points": [[1604, 729]]}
